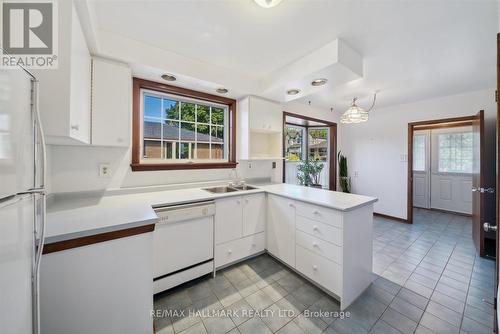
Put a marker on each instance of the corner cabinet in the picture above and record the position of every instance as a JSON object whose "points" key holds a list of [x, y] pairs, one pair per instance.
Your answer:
{"points": [[111, 103], [281, 228], [259, 129], [64, 96], [239, 227]]}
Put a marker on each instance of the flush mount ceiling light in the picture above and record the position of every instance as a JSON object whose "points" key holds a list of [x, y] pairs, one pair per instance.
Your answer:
{"points": [[356, 114], [221, 90], [267, 3], [319, 82], [168, 77], [293, 91]]}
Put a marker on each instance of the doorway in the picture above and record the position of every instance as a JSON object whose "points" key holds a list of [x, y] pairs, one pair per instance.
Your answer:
{"points": [[306, 138], [458, 168]]}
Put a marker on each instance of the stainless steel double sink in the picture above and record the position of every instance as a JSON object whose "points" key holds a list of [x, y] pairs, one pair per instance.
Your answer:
{"points": [[228, 189]]}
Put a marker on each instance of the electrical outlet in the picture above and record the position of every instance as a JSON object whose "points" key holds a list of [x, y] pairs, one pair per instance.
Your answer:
{"points": [[274, 164], [249, 165], [104, 170]]}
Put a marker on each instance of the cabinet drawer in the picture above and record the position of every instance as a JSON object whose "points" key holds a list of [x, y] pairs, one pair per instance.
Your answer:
{"points": [[320, 247], [323, 271], [238, 249], [320, 230], [319, 213]]}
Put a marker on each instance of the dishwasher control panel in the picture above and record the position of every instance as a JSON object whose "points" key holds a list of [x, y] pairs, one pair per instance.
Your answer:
{"points": [[176, 213]]}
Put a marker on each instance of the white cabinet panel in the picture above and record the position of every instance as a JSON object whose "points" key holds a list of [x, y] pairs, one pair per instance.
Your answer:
{"points": [[254, 214], [265, 115], [238, 249], [281, 228], [111, 103], [228, 219], [319, 230], [323, 271], [320, 247], [319, 213]]}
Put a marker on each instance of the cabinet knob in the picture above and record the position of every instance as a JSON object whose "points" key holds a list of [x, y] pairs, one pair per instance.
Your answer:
{"points": [[315, 228], [316, 212], [246, 200], [315, 244], [253, 244], [75, 127], [315, 267], [291, 205], [229, 251], [238, 202]]}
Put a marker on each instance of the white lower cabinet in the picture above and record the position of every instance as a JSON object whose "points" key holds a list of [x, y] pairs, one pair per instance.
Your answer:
{"points": [[239, 227], [281, 228], [321, 270], [239, 249]]}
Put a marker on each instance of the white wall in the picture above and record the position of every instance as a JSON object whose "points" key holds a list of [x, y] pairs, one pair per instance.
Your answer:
{"points": [[75, 168], [376, 150]]}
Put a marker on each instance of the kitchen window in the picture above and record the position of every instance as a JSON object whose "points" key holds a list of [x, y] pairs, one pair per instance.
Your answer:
{"points": [[176, 128], [455, 152]]}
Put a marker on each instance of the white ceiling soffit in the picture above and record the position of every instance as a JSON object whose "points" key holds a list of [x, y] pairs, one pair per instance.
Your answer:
{"points": [[412, 50], [336, 61]]}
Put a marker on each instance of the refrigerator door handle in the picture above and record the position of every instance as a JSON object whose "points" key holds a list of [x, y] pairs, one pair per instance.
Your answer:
{"points": [[40, 235], [39, 134]]}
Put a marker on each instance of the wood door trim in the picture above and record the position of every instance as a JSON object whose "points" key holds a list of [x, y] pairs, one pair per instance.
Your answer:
{"points": [[96, 238], [497, 259], [332, 126], [412, 127], [443, 125]]}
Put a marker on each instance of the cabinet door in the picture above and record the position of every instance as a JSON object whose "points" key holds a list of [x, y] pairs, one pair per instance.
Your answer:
{"points": [[281, 228], [254, 214], [265, 115], [228, 219], [111, 103]]}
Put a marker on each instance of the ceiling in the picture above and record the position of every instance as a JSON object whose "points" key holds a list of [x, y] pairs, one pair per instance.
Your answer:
{"points": [[411, 50]]}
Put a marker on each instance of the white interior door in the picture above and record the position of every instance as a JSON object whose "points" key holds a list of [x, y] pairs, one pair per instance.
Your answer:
{"points": [[451, 168], [421, 169]]}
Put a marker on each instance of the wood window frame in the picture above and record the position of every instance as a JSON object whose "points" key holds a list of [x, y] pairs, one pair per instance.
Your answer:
{"points": [[332, 182], [137, 165]]}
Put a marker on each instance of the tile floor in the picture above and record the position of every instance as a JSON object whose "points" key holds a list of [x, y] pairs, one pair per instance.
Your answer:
{"points": [[428, 281]]}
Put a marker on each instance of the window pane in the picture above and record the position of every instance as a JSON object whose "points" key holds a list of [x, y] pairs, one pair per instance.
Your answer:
{"points": [[171, 108], [419, 152], [455, 152], [152, 106], [185, 151], [294, 144], [188, 111], [203, 114], [217, 116], [217, 151], [152, 128], [202, 150], [171, 131], [168, 148], [152, 149], [318, 142], [188, 132], [217, 134]]}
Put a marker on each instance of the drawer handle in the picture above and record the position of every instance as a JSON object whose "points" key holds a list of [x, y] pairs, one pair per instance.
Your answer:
{"points": [[315, 228], [315, 267], [315, 244], [291, 205], [246, 200], [253, 244], [75, 127], [316, 212], [238, 202], [229, 251]]}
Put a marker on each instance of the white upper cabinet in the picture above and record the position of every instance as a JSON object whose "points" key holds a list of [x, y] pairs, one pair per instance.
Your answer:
{"points": [[111, 103], [259, 129], [65, 92]]}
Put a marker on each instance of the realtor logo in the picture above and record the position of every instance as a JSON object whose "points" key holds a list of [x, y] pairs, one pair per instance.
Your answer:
{"points": [[29, 34]]}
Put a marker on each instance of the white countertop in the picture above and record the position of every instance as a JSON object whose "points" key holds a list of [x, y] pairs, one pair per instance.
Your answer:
{"points": [[70, 217]]}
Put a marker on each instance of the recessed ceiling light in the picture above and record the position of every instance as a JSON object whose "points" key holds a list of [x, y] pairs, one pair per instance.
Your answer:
{"points": [[168, 77], [293, 91], [267, 3], [222, 90], [319, 82]]}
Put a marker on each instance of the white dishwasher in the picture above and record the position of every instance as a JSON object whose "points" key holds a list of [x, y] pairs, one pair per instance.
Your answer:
{"points": [[183, 244]]}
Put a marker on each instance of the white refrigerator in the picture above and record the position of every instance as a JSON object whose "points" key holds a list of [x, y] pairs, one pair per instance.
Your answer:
{"points": [[22, 201]]}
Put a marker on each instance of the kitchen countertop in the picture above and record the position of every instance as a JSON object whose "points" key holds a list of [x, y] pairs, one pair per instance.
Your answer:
{"points": [[70, 217]]}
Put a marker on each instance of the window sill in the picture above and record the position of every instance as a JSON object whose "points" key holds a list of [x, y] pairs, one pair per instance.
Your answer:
{"points": [[180, 166]]}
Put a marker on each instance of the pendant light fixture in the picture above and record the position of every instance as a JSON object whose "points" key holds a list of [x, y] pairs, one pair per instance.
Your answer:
{"points": [[267, 3], [356, 114]]}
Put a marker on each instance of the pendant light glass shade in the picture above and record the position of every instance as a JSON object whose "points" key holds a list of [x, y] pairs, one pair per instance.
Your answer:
{"points": [[356, 114], [268, 3]]}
